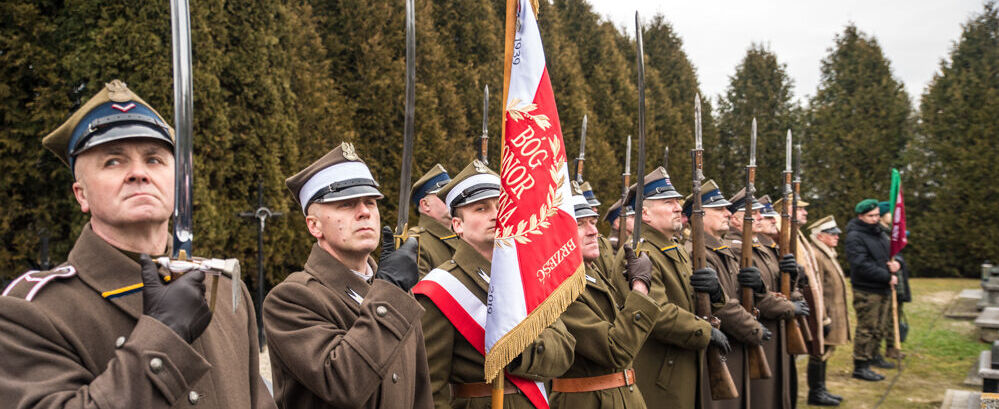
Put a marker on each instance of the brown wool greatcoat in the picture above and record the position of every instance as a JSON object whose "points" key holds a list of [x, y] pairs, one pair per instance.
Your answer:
{"points": [[833, 293], [612, 334], [337, 342], [669, 364], [437, 243], [69, 347], [774, 309], [453, 360], [741, 327]]}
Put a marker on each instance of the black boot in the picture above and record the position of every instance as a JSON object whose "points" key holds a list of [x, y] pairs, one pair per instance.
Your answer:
{"points": [[862, 370], [880, 362], [817, 395], [829, 394]]}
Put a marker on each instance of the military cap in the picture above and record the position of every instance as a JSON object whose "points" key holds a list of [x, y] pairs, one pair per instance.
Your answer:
{"points": [[884, 207], [588, 194], [711, 196], [865, 206], [801, 203], [115, 113], [688, 205], [580, 204], [338, 175], [768, 208], [739, 202], [475, 183], [825, 225], [656, 186], [615, 211], [430, 183]]}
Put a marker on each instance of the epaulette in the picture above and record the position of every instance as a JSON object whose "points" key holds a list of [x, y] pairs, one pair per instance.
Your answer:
{"points": [[29, 284], [449, 265]]}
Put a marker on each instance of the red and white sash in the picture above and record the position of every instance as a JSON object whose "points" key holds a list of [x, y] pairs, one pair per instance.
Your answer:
{"points": [[468, 315]]}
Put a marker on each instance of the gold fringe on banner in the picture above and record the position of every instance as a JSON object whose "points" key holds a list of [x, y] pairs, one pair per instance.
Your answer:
{"points": [[512, 343]]}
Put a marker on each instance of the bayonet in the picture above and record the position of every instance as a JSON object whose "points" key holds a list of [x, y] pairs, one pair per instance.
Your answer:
{"points": [[640, 190], [484, 139], [795, 336], [720, 379], [582, 153], [408, 130], [666, 160], [622, 227]]}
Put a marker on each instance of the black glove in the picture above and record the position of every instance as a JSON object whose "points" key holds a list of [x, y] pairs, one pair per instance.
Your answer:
{"points": [[398, 266], [826, 329], [801, 308], [790, 266], [750, 277], [639, 268], [720, 341], [705, 280], [802, 277], [180, 305], [767, 335]]}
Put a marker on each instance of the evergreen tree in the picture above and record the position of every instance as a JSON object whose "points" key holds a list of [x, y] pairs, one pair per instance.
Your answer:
{"points": [[950, 195], [761, 89], [859, 121]]}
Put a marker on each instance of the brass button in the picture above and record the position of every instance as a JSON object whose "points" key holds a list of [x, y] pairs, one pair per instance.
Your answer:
{"points": [[156, 365], [395, 378], [381, 310], [638, 316], [118, 343], [193, 397], [540, 348]]}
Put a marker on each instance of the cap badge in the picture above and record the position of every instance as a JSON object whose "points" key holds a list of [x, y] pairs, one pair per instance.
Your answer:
{"points": [[348, 151], [118, 91], [480, 167]]}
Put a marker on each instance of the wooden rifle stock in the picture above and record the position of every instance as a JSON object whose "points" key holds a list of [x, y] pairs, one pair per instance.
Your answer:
{"points": [[811, 328], [759, 368], [795, 339], [720, 379]]}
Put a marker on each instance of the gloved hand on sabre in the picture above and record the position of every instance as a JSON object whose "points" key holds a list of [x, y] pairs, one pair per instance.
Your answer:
{"points": [[639, 268], [398, 266], [180, 305]]}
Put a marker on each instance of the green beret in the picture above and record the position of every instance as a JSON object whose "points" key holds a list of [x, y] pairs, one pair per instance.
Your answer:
{"points": [[865, 206], [884, 207]]}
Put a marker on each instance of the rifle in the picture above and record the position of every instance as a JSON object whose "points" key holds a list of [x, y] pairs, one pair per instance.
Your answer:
{"points": [[183, 232], [758, 366], [405, 175], [814, 327], [795, 339], [484, 139], [639, 191], [722, 385], [622, 227], [582, 153]]}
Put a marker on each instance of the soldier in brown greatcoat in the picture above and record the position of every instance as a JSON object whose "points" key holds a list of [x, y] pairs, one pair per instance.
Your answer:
{"points": [[437, 241], [457, 376], [668, 366], [613, 315], [825, 236], [103, 329], [741, 326], [345, 332], [773, 307]]}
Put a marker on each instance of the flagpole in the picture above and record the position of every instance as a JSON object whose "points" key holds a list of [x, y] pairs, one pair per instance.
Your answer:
{"points": [[895, 188], [511, 20]]}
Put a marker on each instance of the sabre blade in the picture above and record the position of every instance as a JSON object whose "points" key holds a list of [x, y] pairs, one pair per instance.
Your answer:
{"points": [[582, 152], [405, 175], [183, 107], [640, 190]]}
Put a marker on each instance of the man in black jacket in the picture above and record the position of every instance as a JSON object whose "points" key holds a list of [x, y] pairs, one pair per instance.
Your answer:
{"points": [[872, 274], [904, 294]]}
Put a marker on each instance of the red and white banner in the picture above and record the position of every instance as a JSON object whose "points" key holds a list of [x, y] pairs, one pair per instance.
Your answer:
{"points": [[537, 267], [898, 232]]}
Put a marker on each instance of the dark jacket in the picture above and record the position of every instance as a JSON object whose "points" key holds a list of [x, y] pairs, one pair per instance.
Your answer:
{"points": [[867, 248], [904, 295]]}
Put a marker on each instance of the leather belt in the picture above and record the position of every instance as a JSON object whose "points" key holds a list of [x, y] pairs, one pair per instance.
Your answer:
{"points": [[479, 390], [595, 383]]}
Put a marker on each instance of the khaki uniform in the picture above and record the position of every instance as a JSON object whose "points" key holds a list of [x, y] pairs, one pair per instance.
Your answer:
{"points": [[740, 325], [669, 364], [833, 294], [613, 334], [606, 262], [806, 258], [774, 309], [437, 243], [81, 341], [337, 342], [453, 360]]}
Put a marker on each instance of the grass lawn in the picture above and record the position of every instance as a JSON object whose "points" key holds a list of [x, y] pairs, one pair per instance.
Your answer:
{"points": [[939, 353]]}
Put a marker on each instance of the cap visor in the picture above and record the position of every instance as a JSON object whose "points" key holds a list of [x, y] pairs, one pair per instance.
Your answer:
{"points": [[350, 193], [120, 132]]}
